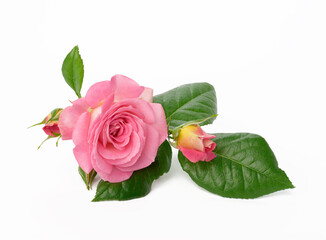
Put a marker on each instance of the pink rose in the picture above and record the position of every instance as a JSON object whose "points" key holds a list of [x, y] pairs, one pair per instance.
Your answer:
{"points": [[116, 128], [51, 127], [195, 144]]}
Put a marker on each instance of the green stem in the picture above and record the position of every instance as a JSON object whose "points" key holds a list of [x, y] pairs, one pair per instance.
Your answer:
{"points": [[78, 95]]}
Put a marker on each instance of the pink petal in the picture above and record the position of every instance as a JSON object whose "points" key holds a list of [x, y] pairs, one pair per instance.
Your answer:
{"points": [[132, 107], [100, 164], [107, 104], [160, 122], [142, 139], [69, 116], [49, 129], [83, 157], [193, 155], [209, 145], [210, 156], [80, 132], [147, 95], [98, 92], [208, 136], [200, 132], [115, 175], [125, 88], [149, 151], [118, 157]]}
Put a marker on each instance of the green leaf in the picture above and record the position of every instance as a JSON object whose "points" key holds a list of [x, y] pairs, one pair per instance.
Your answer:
{"points": [[73, 70], [187, 103], [139, 184], [244, 167]]}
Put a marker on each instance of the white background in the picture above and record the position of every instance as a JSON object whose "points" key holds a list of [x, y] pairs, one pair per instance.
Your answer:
{"points": [[267, 61]]}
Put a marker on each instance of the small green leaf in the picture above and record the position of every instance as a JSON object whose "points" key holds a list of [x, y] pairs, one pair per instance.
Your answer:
{"points": [[187, 103], [244, 167], [73, 70], [139, 184]]}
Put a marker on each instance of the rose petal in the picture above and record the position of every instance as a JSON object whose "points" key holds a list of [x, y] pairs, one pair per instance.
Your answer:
{"points": [[101, 164], [149, 151], [118, 157], [200, 132], [209, 145], [210, 156], [49, 129], [115, 175], [69, 117], [160, 121], [147, 95], [80, 132], [131, 107], [83, 157], [193, 155], [125, 88], [98, 92]]}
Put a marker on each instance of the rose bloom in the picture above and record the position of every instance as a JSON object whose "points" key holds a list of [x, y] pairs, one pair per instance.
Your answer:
{"points": [[195, 144], [116, 128], [51, 127]]}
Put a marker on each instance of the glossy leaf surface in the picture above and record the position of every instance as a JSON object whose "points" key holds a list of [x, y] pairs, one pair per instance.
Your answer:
{"points": [[244, 167]]}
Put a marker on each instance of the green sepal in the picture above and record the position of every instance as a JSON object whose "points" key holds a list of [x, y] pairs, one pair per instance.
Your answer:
{"points": [[56, 135], [87, 178], [36, 124], [55, 114], [49, 137]]}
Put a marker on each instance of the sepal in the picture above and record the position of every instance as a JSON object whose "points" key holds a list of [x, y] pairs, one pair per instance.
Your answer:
{"points": [[87, 178]]}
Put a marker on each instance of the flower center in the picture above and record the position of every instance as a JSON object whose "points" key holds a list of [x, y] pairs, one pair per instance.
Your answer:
{"points": [[116, 128], [114, 131]]}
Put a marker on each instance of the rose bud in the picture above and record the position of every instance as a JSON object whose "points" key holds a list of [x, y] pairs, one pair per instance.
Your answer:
{"points": [[195, 144], [51, 122]]}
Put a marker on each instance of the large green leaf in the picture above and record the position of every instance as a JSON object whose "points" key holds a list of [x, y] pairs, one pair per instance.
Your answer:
{"points": [[73, 70], [139, 185], [244, 167], [187, 103]]}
